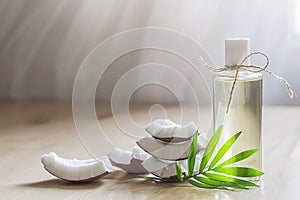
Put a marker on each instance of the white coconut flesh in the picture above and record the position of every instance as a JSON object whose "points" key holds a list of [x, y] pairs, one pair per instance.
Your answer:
{"points": [[167, 170], [168, 131], [153, 164], [129, 161], [159, 168], [173, 152], [76, 170]]}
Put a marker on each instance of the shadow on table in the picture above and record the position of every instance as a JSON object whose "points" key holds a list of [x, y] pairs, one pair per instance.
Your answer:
{"points": [[134, 184], [120, 185], [61, 184]]}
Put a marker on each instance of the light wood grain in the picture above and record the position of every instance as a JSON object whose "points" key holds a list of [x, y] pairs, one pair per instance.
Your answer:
{"points": [[27, 130]]}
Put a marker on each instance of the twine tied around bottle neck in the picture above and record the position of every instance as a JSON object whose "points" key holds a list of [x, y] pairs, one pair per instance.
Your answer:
{"points": [[249, 68]]}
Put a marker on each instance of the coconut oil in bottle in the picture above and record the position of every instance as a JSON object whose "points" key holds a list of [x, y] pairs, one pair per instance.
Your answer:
{"points": [[245, 111]]}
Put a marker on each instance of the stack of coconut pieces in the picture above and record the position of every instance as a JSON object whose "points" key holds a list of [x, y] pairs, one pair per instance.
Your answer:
{"points": [[157, 153]]}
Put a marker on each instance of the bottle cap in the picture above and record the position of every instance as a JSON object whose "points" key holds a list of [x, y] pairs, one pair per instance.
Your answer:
{"points": [[236, 49]]}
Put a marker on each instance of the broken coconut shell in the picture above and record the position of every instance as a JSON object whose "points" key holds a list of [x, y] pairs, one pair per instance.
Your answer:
{"points": [[129, 161], [167, 170], [172, 152], [169, 132], [76, 170]]}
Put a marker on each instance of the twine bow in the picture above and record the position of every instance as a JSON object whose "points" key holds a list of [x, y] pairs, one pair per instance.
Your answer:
{"points": [[249, 68]]}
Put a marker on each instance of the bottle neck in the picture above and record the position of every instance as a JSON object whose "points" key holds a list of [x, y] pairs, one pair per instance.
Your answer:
{"points": [[242, 75]]}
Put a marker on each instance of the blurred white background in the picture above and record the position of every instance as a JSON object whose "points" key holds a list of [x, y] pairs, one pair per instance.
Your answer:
{"points": [[43, 43]]}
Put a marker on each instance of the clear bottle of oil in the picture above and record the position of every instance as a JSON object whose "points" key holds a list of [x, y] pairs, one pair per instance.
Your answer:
{"points": [[245, 112]]}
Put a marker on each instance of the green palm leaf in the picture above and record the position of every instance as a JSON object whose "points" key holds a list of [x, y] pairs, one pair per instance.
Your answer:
{"points": [[219, 177], [239, 171], [224, 149], [192, 155], [203, 185], [209, 181], [238, 157], [210, 149], [179, 172]]}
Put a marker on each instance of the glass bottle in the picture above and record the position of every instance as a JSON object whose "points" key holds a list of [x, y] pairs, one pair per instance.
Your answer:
{"points": [[245, 111]]}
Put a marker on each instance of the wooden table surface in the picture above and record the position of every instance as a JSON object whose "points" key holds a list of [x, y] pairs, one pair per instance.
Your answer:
{"points": [[28, 130]]}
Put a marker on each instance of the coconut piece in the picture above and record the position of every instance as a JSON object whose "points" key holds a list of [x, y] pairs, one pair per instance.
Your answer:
{"points": [[170, 132], [173, 152], [159, 168], [168, 171], [120, 156], [131, 162], [76, 170], [153, 164], [184, 163], [202, 140], [157, 124]]}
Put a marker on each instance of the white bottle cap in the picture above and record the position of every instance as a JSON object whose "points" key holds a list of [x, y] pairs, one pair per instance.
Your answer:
{"points": [[236, 49]]}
